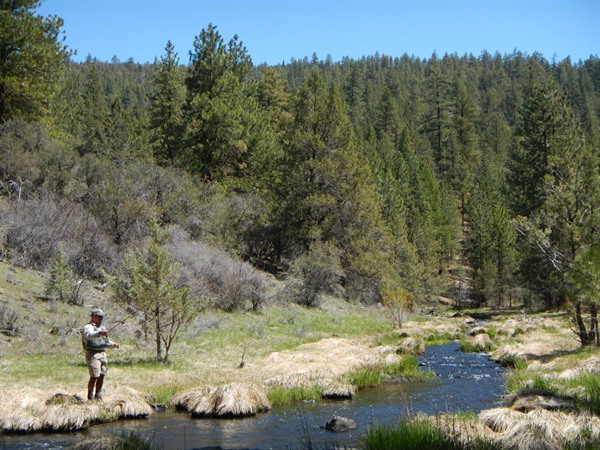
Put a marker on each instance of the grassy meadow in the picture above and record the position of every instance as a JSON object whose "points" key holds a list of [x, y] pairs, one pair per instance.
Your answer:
{"points": [[295, 353]]}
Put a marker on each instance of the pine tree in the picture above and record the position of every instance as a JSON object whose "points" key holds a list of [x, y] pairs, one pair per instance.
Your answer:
{"points": [[166, 108], [120, 132], [329, 194], [463, 153], [563, 219], [219, 108], [32, 58], [60, 282], [437, 119], [149, 286], [491, 243], [94, 115], [273, 96], [584, 277], [433, 220]]}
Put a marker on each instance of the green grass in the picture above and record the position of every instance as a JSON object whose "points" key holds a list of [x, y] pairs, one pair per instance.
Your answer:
{"points": [[135, 441], [60, 368], [281, 396], [522, 381], [391, 338], [132, 440], [440, 338], [585, 389], [164, 393], [590, 387], [365, 377], [417, 434], [408, 367], [467, 346], [513, 362]]}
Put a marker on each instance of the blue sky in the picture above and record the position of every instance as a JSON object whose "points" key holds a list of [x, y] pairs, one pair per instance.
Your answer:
{"points": [[275, 31]]}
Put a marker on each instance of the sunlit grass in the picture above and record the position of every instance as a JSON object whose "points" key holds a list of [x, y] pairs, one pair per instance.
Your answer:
{"points": [[513, 362], [408, 367], [281, 396], [202, 354], [365, 377], [418, 434], [132, 440], [41, 369], [440, 338], [163, 393]]}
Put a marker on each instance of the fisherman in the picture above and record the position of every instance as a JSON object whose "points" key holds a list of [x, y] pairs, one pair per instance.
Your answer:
{"points": [[95, 340]]}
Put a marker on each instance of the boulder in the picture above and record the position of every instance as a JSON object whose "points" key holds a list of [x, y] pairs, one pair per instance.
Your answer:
{"points": [[339, 424]]}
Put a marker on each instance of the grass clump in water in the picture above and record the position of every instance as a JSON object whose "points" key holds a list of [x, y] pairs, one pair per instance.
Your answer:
{"points": [[513, 362], [125, 441], [280, 396], [408, 367], [365, 377], [440, 339], [373, 376], [417, 434], [163, 393]]}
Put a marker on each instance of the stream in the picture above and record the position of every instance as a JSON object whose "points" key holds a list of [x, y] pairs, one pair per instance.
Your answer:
{"points": [[464, 382]]}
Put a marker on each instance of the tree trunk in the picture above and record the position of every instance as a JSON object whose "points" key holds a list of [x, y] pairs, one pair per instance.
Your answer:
{"points": [[158, 337], [582, 332], [594, 332]]}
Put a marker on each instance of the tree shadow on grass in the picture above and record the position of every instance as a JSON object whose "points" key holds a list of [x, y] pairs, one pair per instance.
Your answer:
{"points": [[129, 361]]}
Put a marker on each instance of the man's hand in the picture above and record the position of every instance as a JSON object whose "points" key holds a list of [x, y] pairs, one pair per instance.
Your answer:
{"points": [[116, 344]]}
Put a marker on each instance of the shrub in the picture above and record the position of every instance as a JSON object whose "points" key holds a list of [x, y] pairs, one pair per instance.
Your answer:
{"points": [[398, 301], [61, 284], [314, 274], [231, 284], [9, 317], [22, 144], [37, 229]]}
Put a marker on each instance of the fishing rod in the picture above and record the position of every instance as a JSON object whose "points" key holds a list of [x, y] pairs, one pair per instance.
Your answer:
{"points": [[122, 321]]}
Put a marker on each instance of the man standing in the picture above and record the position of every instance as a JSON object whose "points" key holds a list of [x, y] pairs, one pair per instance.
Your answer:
{"points": [[95, 340]]}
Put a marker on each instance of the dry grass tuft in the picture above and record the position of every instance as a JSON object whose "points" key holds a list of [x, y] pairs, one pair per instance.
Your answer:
{"points": [[462, 429], [532, 435], [65, 417], [129, 403], [338, 391], [189, 400], [97, 443], [589, 366], [29, 410], [233, 400], [482, 342], [321, 363], [498, 419], [539, 428]]}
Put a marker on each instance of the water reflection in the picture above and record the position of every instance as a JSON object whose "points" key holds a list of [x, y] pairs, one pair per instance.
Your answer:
{"points": [[464, 382]]}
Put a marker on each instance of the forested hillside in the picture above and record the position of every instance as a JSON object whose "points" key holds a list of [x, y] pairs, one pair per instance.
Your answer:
{"points": [[385, 179]]}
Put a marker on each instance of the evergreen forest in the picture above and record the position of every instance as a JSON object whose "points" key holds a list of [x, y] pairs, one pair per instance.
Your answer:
{"points": [[387, 179]]}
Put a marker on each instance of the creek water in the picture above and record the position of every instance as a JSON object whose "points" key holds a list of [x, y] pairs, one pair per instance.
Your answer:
{"points": [[463, 382]]}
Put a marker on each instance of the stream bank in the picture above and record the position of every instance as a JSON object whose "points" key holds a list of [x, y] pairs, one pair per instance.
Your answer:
{"points": [[463, 382]]}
